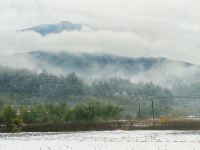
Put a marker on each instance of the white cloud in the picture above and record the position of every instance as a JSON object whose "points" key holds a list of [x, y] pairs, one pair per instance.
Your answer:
{"points": [[166, 28]]}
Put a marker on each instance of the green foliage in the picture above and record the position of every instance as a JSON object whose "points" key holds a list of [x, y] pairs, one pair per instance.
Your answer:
{"points": [[7, 115], [58, 113], [37, 114], [96, 111]]}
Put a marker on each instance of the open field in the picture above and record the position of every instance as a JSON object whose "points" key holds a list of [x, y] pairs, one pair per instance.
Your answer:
{"points": [[102, 140]]}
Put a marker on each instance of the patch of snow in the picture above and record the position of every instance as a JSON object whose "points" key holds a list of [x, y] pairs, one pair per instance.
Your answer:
{"points": [[102, 140]]}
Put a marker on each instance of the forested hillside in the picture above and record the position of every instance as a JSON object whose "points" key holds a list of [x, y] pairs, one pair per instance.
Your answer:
{"points": [[26, 87], [54, 87], [162, 71]]}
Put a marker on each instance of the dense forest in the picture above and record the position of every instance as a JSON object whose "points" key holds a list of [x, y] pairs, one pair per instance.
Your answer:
{"points": [[57, 87], [20, 87], [23, 87]]}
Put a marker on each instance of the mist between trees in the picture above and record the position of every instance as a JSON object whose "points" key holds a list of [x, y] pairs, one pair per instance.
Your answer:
{"points": [[51, 87], [31, 89]]}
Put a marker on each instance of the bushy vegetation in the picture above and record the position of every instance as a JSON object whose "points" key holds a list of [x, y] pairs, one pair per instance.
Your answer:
{"points": [[94, 111]]}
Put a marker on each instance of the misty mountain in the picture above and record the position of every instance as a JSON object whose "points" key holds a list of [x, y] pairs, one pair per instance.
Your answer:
{"points": [[84, 62], [46, 29], [162, 71]]}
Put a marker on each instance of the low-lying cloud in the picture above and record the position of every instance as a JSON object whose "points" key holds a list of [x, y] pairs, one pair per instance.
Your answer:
{"points": [[159, 28], [124, 43]]}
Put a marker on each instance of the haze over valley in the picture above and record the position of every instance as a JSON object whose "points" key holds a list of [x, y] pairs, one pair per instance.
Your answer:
{"points": [[76, 53]]}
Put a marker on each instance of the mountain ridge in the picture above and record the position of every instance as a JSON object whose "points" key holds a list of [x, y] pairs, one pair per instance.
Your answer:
{"points": [[160, 70], [45, 29]]}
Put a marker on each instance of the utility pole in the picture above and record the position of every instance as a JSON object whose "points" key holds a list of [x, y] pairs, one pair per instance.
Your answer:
{"points": [[89, 110], [153, 110], [152, 107], [198, 109], [139, 112]]}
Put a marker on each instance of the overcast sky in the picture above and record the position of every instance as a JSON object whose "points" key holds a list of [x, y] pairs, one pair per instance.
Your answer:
{"points": [[160, 28]]}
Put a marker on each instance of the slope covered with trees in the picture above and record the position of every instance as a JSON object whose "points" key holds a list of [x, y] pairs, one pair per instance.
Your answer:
{"points": [[30, 88], [55, 87]]}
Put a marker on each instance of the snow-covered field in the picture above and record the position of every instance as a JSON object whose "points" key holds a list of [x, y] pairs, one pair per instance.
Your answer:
{"points": [[103, 140]]}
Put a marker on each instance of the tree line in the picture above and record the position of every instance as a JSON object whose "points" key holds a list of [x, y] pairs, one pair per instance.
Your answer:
{"points": [[49, 86], [58, 113]]}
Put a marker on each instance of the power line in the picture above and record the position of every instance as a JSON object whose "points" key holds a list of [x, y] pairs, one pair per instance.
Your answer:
{"points": [[175, 97]]}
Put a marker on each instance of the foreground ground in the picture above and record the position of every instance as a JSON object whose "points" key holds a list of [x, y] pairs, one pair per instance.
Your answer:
{"points": [[102, 140]]}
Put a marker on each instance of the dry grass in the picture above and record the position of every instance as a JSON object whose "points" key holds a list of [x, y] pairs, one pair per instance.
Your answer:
{"points": [[164, 123]]}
